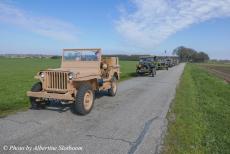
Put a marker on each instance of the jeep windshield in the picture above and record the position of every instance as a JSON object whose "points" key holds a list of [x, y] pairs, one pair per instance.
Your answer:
{"points": [[81, 55], [146, 60]]}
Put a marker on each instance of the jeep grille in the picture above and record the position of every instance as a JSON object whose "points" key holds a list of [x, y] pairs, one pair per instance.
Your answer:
{"points": [[56, 81]]}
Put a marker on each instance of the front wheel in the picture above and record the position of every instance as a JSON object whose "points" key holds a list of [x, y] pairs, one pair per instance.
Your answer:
{"points": [[153, 72], [36, 105], [84, 100], [113, 90]]}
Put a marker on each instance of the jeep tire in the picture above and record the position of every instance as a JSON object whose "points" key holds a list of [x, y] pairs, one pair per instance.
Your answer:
{"points": [[153, 73], [113, 90], [35, 105], [84, 100]]}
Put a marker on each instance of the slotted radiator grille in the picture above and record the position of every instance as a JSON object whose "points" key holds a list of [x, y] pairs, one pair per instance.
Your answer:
{"points": [[56, 80]]}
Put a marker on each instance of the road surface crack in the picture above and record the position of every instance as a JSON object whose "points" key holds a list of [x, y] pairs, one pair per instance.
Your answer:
{"points": [[111, 138], [141, 136]]}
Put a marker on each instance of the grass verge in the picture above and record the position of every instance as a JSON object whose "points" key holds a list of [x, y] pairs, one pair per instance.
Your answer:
{"points": [[199, 120]]}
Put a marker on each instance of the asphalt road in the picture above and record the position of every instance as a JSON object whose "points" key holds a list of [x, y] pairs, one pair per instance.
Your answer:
{"points": [[134, 121]]}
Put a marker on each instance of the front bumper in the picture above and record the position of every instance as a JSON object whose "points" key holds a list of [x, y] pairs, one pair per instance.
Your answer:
{"points": [[67, 96]]}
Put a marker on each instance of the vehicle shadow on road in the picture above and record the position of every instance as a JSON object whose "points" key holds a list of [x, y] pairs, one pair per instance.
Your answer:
{"points": [[100, 94], [59, 107]]}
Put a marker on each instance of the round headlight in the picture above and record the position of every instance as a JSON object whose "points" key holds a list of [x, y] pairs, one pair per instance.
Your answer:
{"points": [[42, 74], [71, 76]]}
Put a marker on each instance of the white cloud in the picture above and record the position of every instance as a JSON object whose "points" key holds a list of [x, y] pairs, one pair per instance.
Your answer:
{"points": [[153, 21], [45, 26]]}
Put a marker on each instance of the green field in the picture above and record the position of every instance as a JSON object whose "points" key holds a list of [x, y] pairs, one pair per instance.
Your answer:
{"points": [[17, 77], [199, 120]]}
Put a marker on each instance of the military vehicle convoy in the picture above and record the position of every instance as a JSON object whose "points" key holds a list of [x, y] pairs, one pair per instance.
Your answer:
{"points": [[165, 62], [149, 64], [175, 60], [146, 65], [169, 62], [82, 72], [161, 63]]}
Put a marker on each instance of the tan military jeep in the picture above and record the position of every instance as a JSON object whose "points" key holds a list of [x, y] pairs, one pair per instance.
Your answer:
{"points": [[82, 72]]}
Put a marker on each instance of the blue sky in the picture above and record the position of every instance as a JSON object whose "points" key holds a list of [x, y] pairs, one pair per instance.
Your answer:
{"points": [[117, 26]]}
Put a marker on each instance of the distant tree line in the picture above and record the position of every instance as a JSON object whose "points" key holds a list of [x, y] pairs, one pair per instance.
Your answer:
{"points": [[55, 57], [219, 61], [188, 54]]}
